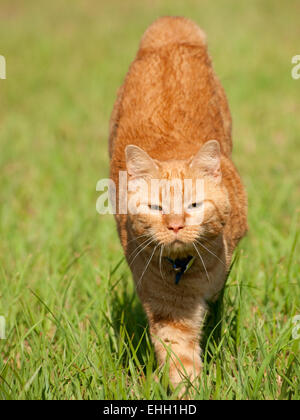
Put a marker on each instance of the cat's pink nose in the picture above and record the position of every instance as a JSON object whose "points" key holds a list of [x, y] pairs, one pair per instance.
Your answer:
{"points": [[175, 227]]}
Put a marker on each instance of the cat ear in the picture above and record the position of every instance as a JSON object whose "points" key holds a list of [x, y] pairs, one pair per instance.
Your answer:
{"points": [[139, 163], [208, 160]]}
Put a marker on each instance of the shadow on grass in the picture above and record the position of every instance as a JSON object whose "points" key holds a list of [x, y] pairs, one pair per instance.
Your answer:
{"points": [[212, 328], [129, 320]]}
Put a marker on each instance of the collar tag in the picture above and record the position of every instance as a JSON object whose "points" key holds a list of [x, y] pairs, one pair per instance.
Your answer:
{"points": [[189, 264], [181, 266]]}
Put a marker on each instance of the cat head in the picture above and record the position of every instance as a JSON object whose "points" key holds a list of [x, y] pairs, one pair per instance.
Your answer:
{"points": [[176, 202]]}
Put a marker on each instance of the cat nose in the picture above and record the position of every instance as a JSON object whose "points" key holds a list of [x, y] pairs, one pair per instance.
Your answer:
{"points": [[175, 227]]}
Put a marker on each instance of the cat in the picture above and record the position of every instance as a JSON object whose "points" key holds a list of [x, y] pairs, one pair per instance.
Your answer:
{"points": [[171, 120]]}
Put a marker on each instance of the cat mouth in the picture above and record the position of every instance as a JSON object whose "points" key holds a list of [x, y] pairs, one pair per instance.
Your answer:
{"points": [[178, 246], [177, 242]]}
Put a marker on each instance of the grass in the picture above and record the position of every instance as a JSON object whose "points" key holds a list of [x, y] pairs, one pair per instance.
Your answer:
{"points": [[75, 328]]}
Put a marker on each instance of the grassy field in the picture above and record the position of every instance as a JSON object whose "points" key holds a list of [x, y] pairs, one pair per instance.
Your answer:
{"points": [[74, 326]]}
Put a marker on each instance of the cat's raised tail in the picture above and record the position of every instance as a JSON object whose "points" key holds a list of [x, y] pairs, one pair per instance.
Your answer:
{"points": [[172, 30]]}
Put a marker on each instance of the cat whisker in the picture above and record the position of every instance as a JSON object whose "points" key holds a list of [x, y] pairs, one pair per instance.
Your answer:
{"points": [[160, 258], [142, 249], [212, 253], [147, 265], [201, 261], [138, 237], [138, 247]]}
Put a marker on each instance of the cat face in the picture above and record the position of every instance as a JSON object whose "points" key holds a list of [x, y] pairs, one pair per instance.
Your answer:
{"points": [[176, 202]]}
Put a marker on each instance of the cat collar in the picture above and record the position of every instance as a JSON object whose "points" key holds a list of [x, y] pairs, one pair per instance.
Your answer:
{"points": [[181, 266]]}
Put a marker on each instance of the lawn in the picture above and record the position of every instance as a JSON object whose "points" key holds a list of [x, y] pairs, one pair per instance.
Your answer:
{"points": [[74, 326]]}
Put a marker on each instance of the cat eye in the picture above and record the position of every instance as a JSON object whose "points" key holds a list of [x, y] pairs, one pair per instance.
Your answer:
{"points": [[195, 205], [155, 207]]}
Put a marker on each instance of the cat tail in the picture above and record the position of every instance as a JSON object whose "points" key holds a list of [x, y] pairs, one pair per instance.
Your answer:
{"points": [[170, 30]]}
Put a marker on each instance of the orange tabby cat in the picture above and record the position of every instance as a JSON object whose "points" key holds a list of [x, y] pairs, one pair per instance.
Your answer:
{"points": [[171, 121]]}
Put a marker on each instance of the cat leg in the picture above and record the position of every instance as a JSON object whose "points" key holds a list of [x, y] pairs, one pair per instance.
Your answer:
{"points": [[176, 341]]}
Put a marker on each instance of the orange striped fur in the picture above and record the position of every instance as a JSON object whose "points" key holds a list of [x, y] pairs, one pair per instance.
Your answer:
{"points": [[170, 106]]}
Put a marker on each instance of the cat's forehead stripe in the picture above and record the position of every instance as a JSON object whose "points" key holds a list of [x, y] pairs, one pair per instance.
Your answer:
{"points": [[174, 169]]}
